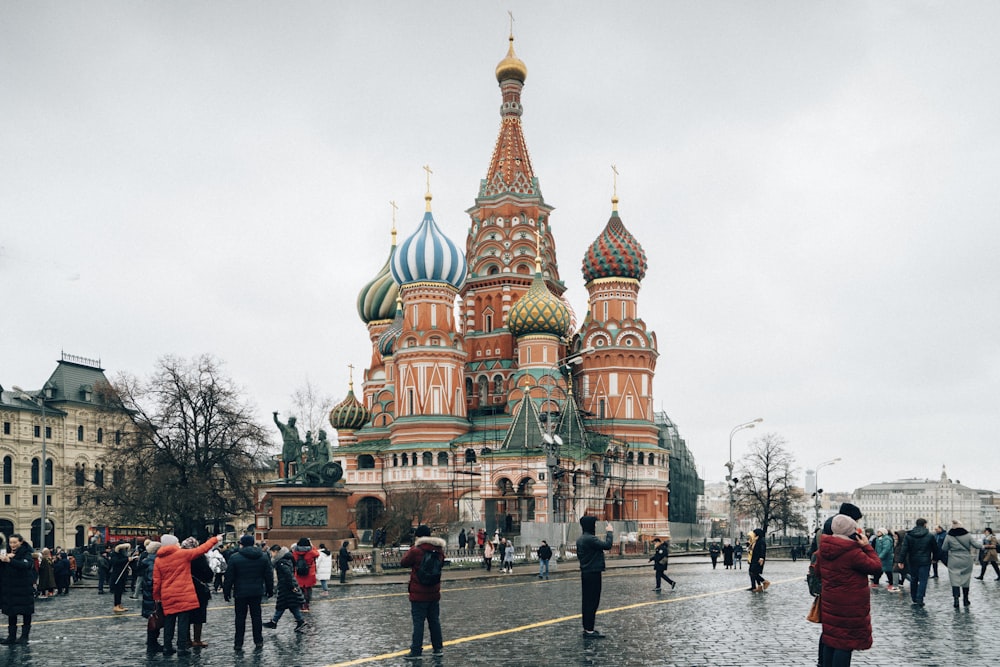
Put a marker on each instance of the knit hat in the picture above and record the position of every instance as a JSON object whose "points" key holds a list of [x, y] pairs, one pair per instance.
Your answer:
{"points": [[304, 542], [152, 547], [955, 523], [851, 510], [167, 540], [246, 541], [588, 523], [189, 543], [423, 531], [843, 525]]}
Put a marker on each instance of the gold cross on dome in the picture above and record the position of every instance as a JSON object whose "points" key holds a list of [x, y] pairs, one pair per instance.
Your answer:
{"points": [[511, 15], [427, 168], [614, 168], [350, 375]]}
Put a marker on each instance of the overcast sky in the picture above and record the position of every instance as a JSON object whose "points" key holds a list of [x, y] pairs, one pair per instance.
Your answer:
{"points": [[815, 185]]}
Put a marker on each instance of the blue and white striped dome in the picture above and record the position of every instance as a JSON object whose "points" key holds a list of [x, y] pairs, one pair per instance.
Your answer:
{"points": [[429, 255]]}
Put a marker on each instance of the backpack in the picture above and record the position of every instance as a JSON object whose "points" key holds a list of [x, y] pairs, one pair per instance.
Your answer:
{"points": [[302, 566], [429, 571], [812, 578]]}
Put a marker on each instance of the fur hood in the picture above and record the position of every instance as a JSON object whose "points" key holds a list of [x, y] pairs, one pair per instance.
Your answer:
{"points": [[278, 555], [433, 541], [956, 532]]}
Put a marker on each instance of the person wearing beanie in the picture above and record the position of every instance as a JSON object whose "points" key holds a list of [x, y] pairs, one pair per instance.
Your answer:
{"points": [[121, 561], [845, 561], [174, 589], [305, 555], [957, 556], [590, 554], [425, 595], [249, 578], [917, 552], [289, 594], [144, 570]]}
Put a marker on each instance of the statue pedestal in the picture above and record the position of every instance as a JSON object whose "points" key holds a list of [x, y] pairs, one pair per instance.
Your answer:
{"points": [[319, 513]]}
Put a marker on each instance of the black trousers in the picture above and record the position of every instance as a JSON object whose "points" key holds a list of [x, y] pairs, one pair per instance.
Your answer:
{"points": [[251, 605], [181, 622], [591, 588]]}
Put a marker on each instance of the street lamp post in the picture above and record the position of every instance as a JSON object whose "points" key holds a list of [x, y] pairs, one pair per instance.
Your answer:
{"points": [[40, 402], [730, 480], [818, 494]]}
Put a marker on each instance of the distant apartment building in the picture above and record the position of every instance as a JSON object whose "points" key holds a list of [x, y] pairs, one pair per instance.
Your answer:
{"points": [[899, 504]]}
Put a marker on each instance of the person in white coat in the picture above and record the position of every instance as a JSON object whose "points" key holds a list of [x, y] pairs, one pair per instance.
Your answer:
{"points": [[324, 568]]}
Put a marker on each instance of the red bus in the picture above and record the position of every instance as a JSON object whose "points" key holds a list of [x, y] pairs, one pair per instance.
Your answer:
{"points": [[116, 534]]}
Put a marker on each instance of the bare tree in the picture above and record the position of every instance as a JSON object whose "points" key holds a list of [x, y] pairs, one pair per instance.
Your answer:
{"points": [[422, 503], [766, 489], [189, 458], [312, 407]]}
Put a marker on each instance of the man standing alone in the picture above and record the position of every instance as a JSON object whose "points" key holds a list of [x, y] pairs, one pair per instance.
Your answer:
{"points": [[249, 577], [590, 553], [917, 551], [544, 556], [425, 592]]}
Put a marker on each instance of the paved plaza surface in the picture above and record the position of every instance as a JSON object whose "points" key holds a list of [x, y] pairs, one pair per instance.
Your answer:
{"points": [[512, 620]]}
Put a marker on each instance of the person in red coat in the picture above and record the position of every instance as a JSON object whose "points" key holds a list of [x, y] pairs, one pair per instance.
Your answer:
{"points": [[845, 560], [174, 589], [305, 551], [425, 600]]}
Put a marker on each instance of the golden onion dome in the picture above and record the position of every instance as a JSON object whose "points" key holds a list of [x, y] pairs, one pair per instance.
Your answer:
{"points": [[539, 311], [349, 414], [511, 67]]}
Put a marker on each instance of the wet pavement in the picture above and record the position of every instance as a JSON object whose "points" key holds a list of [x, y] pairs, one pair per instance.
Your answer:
{"points": [[512, 620]]}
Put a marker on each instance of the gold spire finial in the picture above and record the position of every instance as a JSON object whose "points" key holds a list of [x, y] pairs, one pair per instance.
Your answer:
{"points": [[394, 208], [614, 196], [427, 197], [350, 375], [538, 250], [511, 15]]}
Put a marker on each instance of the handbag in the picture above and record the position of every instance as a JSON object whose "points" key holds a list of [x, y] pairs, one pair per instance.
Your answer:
{"points": [[815, 615], [155, 622]]}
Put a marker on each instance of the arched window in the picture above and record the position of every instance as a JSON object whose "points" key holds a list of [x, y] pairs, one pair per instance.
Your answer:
{"points": [[79, 476], [428, 459], [35, 471], [442, 458], [652, 459], [414, 458], [100, 436], [8, 470], [484, 388], [79, 433], [642, 458], [497, 384], [48, 472], [366, 462], [117, 476], [630, 457], [470, 455], [395, 460], [405, 460], [99, 476], [469, 393]]}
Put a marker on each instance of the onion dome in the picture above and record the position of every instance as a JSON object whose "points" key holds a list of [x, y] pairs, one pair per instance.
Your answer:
{"points": [[387, 341], [428, 255], [539, 311], [512, 67], [349, 414], [615, 253], [377, 299]]}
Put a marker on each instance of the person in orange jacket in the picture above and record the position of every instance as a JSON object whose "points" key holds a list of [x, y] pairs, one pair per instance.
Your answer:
{"points": [[174, 589]]}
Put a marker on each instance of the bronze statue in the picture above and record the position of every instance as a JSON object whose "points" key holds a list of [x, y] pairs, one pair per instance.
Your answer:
{"points": [[322, 453], [292, 448]]}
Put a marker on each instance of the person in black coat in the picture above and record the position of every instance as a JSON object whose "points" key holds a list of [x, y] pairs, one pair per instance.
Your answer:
{"points": [[289, 594], [17, 588], [343, 562], [249, 577], [144, 572], [758, 554], [60, 568], [660, 559], [118, 578]]}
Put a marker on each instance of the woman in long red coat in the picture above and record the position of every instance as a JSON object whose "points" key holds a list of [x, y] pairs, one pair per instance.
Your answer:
{"points": [[305, 554], [845, 561]]}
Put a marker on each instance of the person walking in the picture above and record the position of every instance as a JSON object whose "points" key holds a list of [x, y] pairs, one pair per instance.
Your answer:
{"points": [[590, 554], [884, 549], [289, 594], [737, 556], [660, 558], [305, 554], [845, 560], [713, 553], [324, 569], [917, 550], [249, 578], [488, 555], [103, 569], [144, 570], [201, 576], [17, 588], [989, 553], [46, 575], [424, 592], [758, 554], [118, 577], [173, 588], [343, 561], [61, 570], [727, 555], [939, 535], [544, 556], [957, 552], [508, 557], [217, 561]]}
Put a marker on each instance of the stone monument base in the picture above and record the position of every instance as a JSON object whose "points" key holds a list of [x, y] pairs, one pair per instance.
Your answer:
{"points": [[319, 513]]}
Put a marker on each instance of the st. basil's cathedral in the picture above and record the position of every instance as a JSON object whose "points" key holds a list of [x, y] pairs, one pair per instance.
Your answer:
{"points": [[482, 387]]}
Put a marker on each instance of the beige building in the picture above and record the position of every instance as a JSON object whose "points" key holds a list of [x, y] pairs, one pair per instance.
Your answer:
{"points": [[68, 416], [897, 505]]}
